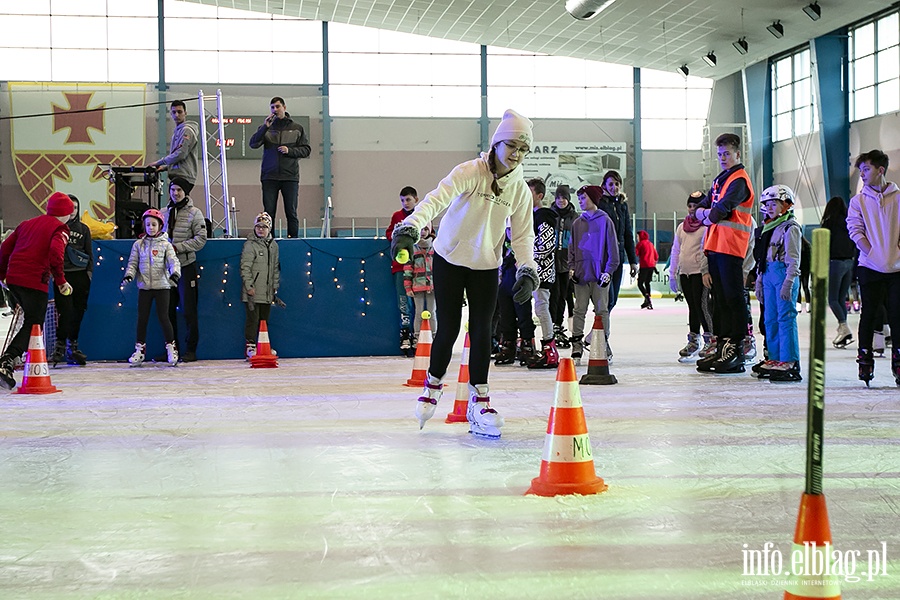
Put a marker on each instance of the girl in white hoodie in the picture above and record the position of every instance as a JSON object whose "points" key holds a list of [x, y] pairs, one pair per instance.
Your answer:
{"points": [[873, 221], [479, 196]]}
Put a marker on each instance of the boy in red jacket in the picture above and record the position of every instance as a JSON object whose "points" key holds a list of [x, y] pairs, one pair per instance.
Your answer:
{"points": [[27, 258], [647, 256], [409, 197]]}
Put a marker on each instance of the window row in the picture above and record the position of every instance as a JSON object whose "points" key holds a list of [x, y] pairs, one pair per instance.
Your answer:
{"points": [[875, 67]]}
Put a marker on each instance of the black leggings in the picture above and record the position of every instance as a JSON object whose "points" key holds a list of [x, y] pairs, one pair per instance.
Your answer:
{"points": [[692, 287], [480, 288], [34, 307], [145, 298], [562, 294], [71, 308], [645, 274]]}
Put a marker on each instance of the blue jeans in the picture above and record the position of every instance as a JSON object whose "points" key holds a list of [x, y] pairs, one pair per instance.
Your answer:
{"points": [[840, 272], [404, 302], [782, 338], [289, 192]]}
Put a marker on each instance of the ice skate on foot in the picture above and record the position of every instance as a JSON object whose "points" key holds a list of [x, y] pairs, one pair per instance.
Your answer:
{"points": [[137, 359], [7, 366], [484, 421], [427, 402], [843, 338], [866, 363], [171, 354]]}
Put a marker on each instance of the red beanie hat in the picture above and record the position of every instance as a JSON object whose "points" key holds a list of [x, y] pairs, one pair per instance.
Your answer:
{"points": [[594, 192], [60, 205]]}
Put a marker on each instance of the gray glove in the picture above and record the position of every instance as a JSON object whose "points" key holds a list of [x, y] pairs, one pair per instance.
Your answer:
{"points": [[404, 238], [786, 289], [526, 282]]}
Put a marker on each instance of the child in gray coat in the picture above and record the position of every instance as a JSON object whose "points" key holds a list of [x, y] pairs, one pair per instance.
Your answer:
{"points": [[154, 265], [261, 274]]}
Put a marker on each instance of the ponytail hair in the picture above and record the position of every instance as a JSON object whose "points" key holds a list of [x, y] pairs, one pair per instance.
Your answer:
{"points": [[492, 163]]}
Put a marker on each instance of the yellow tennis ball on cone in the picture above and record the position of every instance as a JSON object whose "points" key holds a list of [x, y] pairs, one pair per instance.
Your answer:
{"points": [[426, 315]]}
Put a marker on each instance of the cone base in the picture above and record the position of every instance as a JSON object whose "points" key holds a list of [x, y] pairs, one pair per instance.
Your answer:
{"points": [[595, 379], [584, 488], [51, 389], [414, 382], [265, 361], [459, 412]]}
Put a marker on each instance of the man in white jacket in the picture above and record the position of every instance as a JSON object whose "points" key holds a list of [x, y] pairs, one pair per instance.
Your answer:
{"points": [[873, 221]]}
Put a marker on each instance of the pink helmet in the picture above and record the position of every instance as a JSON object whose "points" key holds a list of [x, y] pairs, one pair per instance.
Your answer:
{"points": [[155, 214]]}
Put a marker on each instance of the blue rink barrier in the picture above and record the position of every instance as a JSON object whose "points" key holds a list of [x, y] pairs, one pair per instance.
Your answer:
{"points": [[339, 293]]}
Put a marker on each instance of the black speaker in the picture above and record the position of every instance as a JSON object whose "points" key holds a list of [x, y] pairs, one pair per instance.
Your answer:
{"points": [[128, 219]]}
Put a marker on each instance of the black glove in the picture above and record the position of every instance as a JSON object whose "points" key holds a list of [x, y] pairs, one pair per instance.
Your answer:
{"points": [[526, 283], [127, 279], [279, 302], [174, 277]]}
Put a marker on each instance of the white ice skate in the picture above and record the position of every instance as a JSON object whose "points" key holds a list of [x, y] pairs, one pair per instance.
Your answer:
{"points": [[137, 359], [427, 402], [171, 354], [844, 336], [484, 421], [250, 351], [691, 351], [878, 343]]}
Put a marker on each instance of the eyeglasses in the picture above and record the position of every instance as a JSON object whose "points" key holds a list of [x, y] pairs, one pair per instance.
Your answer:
{"points": [[516, 148]]}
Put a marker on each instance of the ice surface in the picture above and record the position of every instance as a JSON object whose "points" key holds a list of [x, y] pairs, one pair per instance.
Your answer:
{"points": [[214, 480]]}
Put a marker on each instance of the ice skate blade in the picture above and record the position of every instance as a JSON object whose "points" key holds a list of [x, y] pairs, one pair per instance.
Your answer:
{"points": [[134, 366], [692, 358], [488, 433], [424, 411], [6, 385]]}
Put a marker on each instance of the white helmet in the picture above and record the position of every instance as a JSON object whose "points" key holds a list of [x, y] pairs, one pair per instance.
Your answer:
{"points": [[777, 192]]}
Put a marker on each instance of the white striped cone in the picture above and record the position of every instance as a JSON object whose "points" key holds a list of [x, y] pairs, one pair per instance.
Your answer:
{"points": [[461, 403], [264, 358], [598, 361], [37, 375], [423, 355], [567, 464]]}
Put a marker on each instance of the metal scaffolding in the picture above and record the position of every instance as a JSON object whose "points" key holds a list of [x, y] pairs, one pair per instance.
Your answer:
{"points": [[215, 172]]}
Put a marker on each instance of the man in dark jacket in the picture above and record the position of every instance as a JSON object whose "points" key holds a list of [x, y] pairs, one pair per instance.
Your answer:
{"points": [[613, 203], [78, 266], [284, 143]]}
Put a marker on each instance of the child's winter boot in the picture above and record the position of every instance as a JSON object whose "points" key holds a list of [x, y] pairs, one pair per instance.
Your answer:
{"points": [[74, 356], [866, 361], [137, 359], [548, 357], [427, 402], [484, 421], [171, 353], [59, 353]]}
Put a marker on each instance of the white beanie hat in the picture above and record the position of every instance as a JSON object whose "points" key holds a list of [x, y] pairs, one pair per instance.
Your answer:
{"points": [[513, 126]]}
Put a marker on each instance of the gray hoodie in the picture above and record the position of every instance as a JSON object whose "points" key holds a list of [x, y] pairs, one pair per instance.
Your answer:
{"points": [[875, 217]]}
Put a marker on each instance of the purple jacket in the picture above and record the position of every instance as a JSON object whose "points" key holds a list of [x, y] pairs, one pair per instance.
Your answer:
{"points": [[594, 248]]}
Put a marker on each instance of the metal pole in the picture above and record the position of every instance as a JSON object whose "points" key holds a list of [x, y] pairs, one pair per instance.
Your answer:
{"points": [[353, 227], [304, 228], [203, 150], [655, 245], [229, 230]]}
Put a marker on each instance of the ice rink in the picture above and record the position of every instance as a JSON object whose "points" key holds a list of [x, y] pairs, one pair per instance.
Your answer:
{"points": [[212, 480]]}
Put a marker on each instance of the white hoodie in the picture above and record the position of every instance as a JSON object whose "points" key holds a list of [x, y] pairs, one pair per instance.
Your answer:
{"points": [[875, 217], [471, 234]]}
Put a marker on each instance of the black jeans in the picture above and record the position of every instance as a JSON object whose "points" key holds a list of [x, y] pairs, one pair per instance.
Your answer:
{"points": [[730, 314], [186, 296], [289, 192], [71, 308], [34, 305], [145, 300], [515, 319], [878, 289], [561, 295], [692, 288], [256, 312], [480, 287], [645, 274]]}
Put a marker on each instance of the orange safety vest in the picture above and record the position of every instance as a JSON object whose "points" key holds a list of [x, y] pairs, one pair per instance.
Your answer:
{"points": [[731, 235]]}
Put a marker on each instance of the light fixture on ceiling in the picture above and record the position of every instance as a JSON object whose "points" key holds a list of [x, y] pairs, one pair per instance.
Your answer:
{"points": [[741, 46], [776, 29], [710, 59], [813, 11], [585, 10], [683, 70]]}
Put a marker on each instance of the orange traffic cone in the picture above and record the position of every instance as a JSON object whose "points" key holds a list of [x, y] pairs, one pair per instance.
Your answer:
{"points": [[37, 376], [264, 358], [812, 539], [423, 354], [567, 466], [598, 361], [461, 404]]}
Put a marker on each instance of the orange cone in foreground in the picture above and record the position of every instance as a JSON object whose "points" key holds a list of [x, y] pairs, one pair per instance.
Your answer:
{"points": [[567, 466], [598, 362], [461, 404], [423, 355], [812, 539], [37, 376], [263, 359]]}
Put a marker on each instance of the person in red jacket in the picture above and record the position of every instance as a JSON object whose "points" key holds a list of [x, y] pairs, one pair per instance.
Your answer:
{"points": [[409, 197], [28, 257], [647, 255]]}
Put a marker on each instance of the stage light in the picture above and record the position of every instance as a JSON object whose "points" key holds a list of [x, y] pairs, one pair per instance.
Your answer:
{"points": [[683, 70], [813, 11], [741, 46], [585, 10], [776, 29], [710, 59]]}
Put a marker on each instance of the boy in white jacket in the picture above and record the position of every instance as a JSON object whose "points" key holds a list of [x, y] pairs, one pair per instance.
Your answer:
{"points": [[479, 196], [873, 221]]}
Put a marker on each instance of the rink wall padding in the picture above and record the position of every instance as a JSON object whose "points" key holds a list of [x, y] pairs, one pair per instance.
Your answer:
{"points": [[356, 315]]}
